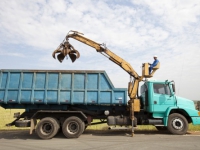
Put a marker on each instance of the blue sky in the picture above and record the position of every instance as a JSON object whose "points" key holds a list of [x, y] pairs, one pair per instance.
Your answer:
{"points": [[135, 30]]}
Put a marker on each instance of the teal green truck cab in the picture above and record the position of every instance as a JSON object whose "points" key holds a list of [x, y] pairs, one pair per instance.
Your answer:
{"points": [[170, 111]]}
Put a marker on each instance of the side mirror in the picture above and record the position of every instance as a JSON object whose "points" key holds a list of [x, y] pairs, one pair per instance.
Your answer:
{"points": [[173, 87]]}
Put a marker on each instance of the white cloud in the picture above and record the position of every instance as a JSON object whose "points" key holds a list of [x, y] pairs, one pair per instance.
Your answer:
{"points": [[12, 54], [135, 30], [173, 14]]}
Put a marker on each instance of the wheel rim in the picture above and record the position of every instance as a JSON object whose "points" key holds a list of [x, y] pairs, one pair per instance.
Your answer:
{"points": [[177, 123], [47, 128], [73, 127]]}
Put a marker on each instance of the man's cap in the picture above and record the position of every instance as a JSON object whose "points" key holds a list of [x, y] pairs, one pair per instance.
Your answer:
{"points": [[155, 56]]}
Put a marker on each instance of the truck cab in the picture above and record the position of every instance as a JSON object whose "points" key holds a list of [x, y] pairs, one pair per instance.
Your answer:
{"points": [[159, 100]]}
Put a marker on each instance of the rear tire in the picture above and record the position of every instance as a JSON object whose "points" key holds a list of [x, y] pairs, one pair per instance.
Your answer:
{"points": [[47, 128], [73, 127], [177, 124]]}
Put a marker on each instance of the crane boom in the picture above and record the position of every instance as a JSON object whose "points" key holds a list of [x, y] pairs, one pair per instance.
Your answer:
{"points": [[102, 49]]}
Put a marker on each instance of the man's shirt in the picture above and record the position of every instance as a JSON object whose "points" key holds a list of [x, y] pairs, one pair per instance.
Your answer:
{"points": [[154, 63]]}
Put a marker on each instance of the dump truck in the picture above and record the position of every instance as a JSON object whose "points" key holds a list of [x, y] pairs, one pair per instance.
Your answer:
{"points": [[67, 100]]}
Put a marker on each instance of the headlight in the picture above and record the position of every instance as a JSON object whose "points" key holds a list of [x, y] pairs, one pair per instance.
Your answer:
{"points": [[106, 112]]}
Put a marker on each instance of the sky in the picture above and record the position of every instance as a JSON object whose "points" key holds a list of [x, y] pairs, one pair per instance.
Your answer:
{"points": [[136, 30]]}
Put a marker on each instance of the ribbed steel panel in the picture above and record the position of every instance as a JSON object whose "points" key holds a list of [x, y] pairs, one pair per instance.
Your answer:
{"points": [[87, 87]]}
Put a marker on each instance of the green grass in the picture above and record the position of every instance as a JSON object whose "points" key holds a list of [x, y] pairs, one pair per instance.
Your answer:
{"points": [[194, 128], [6, 116]]}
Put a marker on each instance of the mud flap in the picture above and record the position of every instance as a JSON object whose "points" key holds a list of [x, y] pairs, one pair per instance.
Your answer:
{"points": [[33, 125]]}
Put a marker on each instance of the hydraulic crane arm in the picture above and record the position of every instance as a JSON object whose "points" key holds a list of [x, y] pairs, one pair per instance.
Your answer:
{"points": [[102, 49]]}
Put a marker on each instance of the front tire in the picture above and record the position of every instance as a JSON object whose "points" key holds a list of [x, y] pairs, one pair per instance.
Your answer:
{"points": [[47, 128], [177, 124], [73, 127]]}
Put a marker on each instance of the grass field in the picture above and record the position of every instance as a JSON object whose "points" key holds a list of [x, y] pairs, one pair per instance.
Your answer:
{"points": [[6, 116]]}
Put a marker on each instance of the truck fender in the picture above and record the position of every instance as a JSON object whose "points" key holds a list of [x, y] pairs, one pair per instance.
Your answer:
{"points": [[166, 115]]}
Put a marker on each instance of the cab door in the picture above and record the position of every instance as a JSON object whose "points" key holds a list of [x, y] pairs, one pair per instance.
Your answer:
{"points": [[162, 98]]}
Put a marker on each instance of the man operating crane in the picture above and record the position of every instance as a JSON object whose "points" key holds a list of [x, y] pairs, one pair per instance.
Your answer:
{"points": [[156, 61]]}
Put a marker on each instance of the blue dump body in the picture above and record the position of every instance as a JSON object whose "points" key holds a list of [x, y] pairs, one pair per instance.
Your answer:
{"points": [[22, 88]]}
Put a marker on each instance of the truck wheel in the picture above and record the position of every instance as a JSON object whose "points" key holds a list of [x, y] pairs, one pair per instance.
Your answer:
{"points": [[73, 127], [47, 128], [177, 124]]}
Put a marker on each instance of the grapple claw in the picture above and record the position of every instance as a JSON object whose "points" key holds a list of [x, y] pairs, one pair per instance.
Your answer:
{"points": [[65, 49], [60, 57], [58, 50], [74, 54], [72, 57], [54, 53]]}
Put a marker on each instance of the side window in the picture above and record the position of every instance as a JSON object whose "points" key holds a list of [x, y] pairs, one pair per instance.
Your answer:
{"points": [[161, 89], [143, 88]]}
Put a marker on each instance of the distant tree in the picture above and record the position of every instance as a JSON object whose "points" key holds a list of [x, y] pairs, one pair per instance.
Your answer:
{"points": [[198, 105]]}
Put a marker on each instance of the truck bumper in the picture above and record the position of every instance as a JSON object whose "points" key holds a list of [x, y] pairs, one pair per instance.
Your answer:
{"points": [[195, 120]]}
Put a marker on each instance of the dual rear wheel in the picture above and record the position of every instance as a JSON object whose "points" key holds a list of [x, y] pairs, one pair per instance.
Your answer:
{"points": [[48, 127], [73, 127]]}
